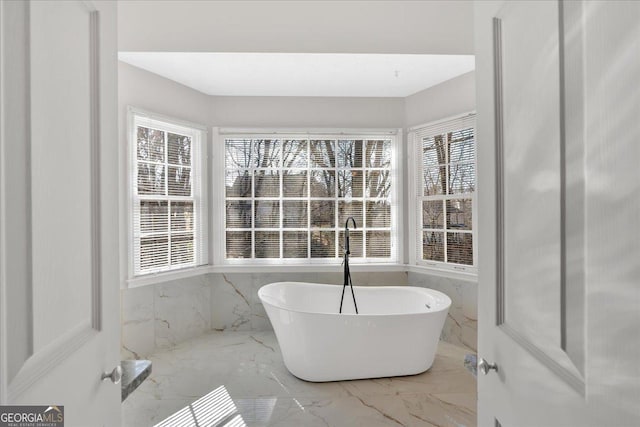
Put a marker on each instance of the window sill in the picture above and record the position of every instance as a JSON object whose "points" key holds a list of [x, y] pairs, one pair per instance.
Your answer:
{"points": [[166, 276], [441, 272], [305, 268]]}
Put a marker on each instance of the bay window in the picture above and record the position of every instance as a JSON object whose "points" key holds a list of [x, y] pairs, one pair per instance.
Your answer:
{"points": [[288, 197], [444, 192], [168, 213]]}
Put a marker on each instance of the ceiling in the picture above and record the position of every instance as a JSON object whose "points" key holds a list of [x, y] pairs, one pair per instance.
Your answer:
{"points": [[299, 48], [302, 74]]}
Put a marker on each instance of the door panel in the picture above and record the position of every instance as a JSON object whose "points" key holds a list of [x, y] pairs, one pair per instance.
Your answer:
{"points": [[59, 325], [558, 212], [531, 189], [62, 183]]}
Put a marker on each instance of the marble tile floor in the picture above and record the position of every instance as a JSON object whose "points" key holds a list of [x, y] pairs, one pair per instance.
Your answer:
{"points": [[238, 379]]}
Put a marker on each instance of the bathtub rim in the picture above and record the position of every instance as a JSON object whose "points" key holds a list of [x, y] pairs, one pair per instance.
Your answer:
{"points": [[446, 307]]}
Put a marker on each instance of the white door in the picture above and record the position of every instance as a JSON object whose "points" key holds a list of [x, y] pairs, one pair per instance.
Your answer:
{"points": [[558, 102], [59, 287]]}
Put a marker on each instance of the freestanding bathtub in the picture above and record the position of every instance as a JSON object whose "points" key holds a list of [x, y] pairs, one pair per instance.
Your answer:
{"points": [[396, 332]]}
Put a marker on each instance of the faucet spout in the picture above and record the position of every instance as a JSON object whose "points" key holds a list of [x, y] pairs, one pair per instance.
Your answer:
{"points": [[345, 261], [347, 250]]}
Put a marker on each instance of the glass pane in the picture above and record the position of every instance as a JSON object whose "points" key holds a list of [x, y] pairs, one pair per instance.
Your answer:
{"points": [[462, 178], [323, 183], [179, 147], [433, 246], [182, 249], [355, 244], [323, 154], [462, 146], [378, 153], [434, 181], [432, 214], [378, 244], [379, 214], [295, 244], [179, 181], [267, 153], [267, 244], [460, 248], [349, 153], [347, 209], [238, 153], [294, 183], [181, 216], [378, 183], [322, 213], [294, 213], [459, 214], [151, 178], [238, 214], [267, 183], [323, 244], [154, 216], [267, 214], [350, 183], [295, 153], [238, 244], [238, 183], [150, 144], [434, 151], [154, 252]]}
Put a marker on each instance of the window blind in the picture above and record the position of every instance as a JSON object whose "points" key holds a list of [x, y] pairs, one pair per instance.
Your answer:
{"points": [[168, 208], [289, 197], [445, 182]]}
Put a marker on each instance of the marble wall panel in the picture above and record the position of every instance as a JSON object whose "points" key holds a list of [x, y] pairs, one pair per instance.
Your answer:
{"points": [[137, 322], [182, 310], [461, 326], [231, 301]]}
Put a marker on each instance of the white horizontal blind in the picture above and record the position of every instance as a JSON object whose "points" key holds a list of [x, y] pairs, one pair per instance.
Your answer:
{"points": [[168, 210], [445, 191], [289, 197]]}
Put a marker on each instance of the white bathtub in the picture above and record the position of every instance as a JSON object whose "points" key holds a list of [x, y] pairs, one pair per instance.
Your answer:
{"points": [[396, 332]]}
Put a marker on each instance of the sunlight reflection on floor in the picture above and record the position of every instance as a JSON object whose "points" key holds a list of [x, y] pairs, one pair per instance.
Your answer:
{"points": [[214, 409]]}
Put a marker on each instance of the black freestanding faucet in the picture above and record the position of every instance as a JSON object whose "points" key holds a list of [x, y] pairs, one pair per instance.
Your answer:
{"points": [[345, 262]]}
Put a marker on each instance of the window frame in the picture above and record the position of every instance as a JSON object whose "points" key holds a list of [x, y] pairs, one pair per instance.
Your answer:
{"points": [[198, 133], [219, 197], [416, 135]]}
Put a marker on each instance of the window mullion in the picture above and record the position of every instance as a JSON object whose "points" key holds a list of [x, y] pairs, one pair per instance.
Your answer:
{"points": [[309, 199], [365, 198], [446, 198], [336, 204], [166, 192], [252, 170], [281, 200]]}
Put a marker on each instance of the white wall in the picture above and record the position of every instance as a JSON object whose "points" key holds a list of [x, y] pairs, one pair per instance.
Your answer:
{"points": [[447, 99], [152, 92], [328, 112], [436, 27]]}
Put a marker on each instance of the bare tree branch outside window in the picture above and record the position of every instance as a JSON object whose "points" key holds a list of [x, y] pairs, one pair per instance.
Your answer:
{"points": [[289, 198], [448, 184]]}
